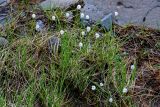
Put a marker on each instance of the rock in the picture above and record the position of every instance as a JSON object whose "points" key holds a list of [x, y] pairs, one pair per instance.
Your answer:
{"points": [[3, 42], [130, 11], [4, 12], [39, 25], [86, 23], [107, 21], [50, 4], [54, 44], [4, 2]]}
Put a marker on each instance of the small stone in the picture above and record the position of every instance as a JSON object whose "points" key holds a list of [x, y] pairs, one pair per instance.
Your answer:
{"points": [[39, 25], [3, 42], [107, 21], [54, 44], [5, 16]]}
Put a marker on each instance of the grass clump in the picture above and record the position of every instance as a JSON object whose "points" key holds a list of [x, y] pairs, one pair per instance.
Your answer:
{"points": [[38, 72]]}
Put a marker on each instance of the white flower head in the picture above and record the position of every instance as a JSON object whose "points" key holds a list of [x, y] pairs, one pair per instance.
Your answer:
{"points": [[101, 84], [82, 15], [33, 16], [80, 44], [88, 29], [62, 32], [116, 13], [78, 7], [97, 35], [93, 87], [87, 17], [110, 99], [132, 67], [53, 18], [125, 90], [83, 33], [67, 15]]}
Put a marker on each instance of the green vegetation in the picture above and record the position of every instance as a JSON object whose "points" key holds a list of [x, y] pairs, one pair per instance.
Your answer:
{"points": [[34, 73]]}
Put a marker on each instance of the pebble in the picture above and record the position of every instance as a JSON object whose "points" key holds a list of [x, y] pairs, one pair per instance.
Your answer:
{"points": [[3, 42], [54, 44], [39, 25], [107, 21]]}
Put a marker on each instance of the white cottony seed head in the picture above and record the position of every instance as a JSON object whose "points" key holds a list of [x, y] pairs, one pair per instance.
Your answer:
{"points": [[125, 90], [111, 100], [101, 84], [80, 44], [97, 35], [132, 67], [88, 29], [93, 87], [78, 7], [62, 32], [87, 17], [116, 13], [33, 16], [67, 15], [83, 33], [53, 18], [82, 15]]}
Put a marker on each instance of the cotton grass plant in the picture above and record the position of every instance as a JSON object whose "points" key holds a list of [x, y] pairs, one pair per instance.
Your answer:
{"points": [[31, 73]]}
